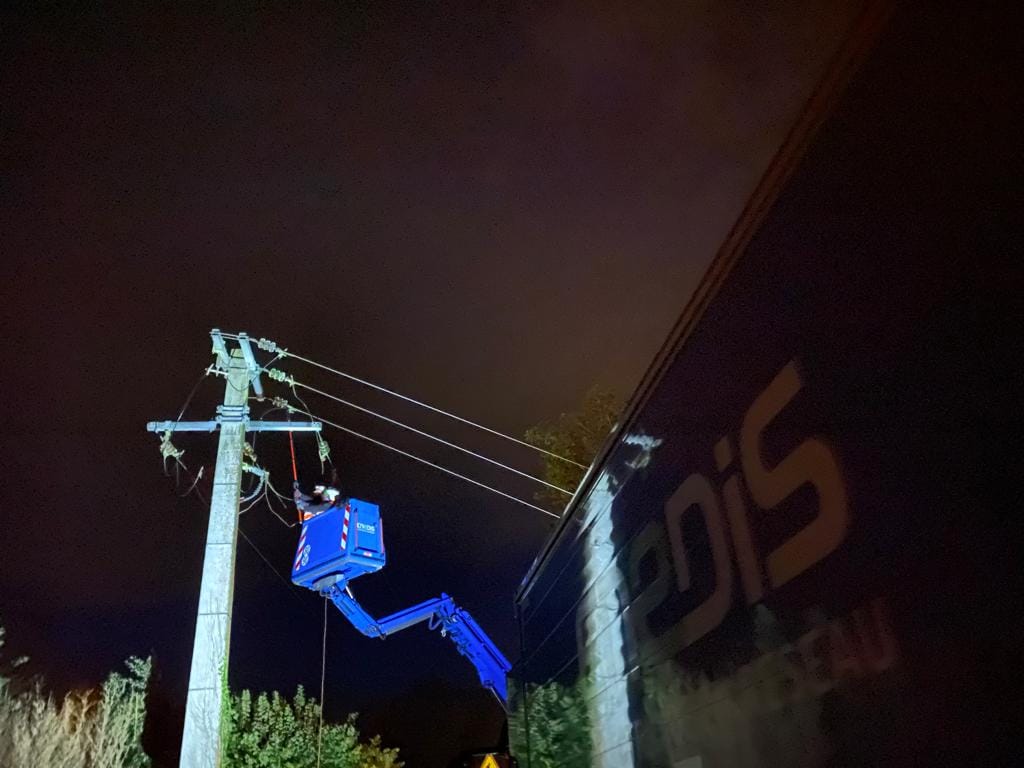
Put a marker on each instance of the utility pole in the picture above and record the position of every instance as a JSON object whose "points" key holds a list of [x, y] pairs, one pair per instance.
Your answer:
{"points": [[207, 681], [207, 686]]}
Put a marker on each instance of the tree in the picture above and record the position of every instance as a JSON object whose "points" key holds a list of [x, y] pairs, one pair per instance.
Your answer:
{"points": [[87, 729], [373, 755], [559, 726], [268, 731], [117, 736], [577, 435]]}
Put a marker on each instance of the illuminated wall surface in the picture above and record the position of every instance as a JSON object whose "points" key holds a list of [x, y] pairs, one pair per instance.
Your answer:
{"points": [[802, 550]]}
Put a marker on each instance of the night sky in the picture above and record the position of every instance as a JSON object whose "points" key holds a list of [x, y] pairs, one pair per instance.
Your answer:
{"points": [[490, 210]]}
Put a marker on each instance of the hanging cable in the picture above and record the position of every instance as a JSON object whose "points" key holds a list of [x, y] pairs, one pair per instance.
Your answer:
{"points": [[256, 549], [428, 463], [253, 499], [270, 565], [426, 434], [197, 477], [168, 449], [323, 677], [194, 488], [271, 347], [323, 450], [256, 495], [284, 500], [199, 494], [191, 394], [267, 412]]}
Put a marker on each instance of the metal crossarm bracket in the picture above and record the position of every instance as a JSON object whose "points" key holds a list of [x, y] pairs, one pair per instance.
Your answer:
{"points": [[220, 349], [250, 426], [182, 426], [284, 426], [250, 363], [232, 413]]}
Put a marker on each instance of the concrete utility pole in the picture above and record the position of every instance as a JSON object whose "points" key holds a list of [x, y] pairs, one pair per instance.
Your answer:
{"points": [[204, 709], [207, 685]]}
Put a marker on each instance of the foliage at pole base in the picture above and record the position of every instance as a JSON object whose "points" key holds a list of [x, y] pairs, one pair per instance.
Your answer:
{"points": [[268, 730]]}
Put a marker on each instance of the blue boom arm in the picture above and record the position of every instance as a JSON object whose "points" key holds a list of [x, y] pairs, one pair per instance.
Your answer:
{"points": [[439, 613], [346, 542]]}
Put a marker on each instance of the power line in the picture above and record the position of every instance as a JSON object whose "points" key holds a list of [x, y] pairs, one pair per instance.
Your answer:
{"points": [[428, 463], [427, 435], [253, 500], [270, 506], [270, 565], [420, 403], [284, 499], [250, 542], [191, 394]]}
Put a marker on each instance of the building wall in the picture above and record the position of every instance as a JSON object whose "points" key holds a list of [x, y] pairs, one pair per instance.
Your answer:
{"points": [[796, 552]]}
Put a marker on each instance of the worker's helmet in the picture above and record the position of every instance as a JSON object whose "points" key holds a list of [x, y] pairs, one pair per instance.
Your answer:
{"points": [[330, 493], [319, 489]]}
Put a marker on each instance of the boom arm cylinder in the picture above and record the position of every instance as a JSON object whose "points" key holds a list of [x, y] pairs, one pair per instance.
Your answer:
{"points": [[440, 613]]}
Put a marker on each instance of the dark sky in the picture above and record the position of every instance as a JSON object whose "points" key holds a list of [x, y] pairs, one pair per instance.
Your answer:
{"points": [[487, 209]]}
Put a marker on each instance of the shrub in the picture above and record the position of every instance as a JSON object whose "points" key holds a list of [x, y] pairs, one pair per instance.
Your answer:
{"points": [[87, 729]]}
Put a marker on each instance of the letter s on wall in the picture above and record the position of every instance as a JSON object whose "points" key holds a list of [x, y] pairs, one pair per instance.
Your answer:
{"points": [[813, 462]]}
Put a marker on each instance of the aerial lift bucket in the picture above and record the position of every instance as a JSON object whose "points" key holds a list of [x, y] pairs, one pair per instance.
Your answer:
{"points": [[345, 542]]}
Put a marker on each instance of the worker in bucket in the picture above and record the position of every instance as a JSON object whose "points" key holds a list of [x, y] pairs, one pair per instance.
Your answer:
{"points": [[324, 498]]}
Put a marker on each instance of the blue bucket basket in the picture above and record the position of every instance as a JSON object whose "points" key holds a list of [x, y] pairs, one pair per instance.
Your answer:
{"points": [[345, 541]]}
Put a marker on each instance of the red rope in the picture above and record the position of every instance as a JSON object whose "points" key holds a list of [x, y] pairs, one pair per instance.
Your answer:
{"points": [[295, 467]]}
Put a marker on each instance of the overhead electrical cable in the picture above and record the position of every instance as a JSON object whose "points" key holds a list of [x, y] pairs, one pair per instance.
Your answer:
{"points": [[249, 541], [191, 394], [284, 499], [285, 353], [270, 565], [425, 461], [255, 435], [425, 434], [273, 511], [167, 449]]}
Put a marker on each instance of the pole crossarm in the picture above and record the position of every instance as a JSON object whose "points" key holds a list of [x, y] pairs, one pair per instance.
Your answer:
{"points": [[283, 426], [182, 426], [250, 426]]}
